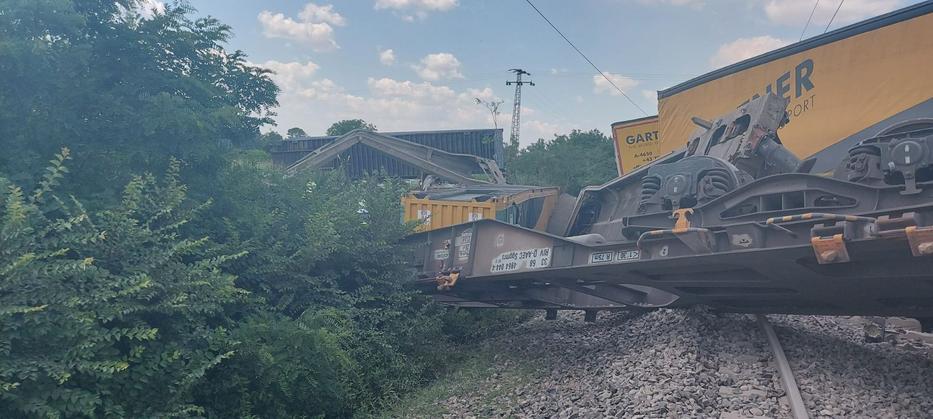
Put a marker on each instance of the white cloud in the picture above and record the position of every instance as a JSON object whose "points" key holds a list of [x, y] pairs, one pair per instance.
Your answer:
{"points": [[426, 90], [534, 129], [290, 76], [321, 14], [439, 66], [409, 10], [387, 57], [314, 26], [485, 94], [324, 89], [601, 85], [743, 48], [149, 8], [651, 97], [796, 12], [393, 105]]}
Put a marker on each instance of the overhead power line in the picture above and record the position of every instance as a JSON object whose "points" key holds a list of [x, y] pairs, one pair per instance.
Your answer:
{"points": [[808, 20], [585, 57], [834, 15]]}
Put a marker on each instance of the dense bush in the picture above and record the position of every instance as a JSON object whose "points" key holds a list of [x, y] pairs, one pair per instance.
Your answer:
{"points": [[323, 251], [282, 369], [242, 294], [122, 312], [111, 313]]}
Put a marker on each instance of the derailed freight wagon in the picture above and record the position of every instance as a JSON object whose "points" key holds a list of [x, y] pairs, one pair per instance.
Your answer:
{"points": [[812, 196], [734, 221]]}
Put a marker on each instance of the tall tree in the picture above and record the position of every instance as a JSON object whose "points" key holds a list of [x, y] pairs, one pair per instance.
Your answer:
{"points": [[122, 91], [347, 125], [571, 161], [295, 132]]}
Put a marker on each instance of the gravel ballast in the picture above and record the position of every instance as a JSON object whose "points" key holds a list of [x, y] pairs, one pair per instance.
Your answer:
{"points": [[694, 363]]}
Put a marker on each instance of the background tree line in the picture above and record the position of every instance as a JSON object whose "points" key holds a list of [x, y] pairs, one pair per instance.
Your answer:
{"points": [[572, 161]]}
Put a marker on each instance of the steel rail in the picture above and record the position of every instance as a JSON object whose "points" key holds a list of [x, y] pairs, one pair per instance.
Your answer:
{"points": [[797, 408]]}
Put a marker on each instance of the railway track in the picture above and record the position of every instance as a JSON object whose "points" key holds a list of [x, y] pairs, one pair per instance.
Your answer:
{"points": [[788, 382], [695, 363]]}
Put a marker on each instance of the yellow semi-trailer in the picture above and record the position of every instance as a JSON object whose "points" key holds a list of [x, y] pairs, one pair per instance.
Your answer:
{"points": [[842, 86], [526, 206], [636, 142]]}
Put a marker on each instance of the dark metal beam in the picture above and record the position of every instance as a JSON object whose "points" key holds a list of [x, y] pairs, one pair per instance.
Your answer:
{"points": [[567, 298], [457, 168]]}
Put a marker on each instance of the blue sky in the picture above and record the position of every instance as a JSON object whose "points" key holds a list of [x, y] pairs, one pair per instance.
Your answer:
{"points": [[332, 62]]}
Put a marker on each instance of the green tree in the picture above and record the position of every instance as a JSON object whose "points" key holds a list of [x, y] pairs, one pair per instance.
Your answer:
{"points": [[571, 161], [320, 246], [268, 140], [295, 133], [124, 93], [347, 125], [108, 314], [511, 150], [126, 296]]}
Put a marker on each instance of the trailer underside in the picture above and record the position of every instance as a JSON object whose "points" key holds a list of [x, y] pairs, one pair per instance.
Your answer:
{"points": [[869, 256]]}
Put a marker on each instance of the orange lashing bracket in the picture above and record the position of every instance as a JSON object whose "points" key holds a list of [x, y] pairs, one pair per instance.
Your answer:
{"points": [[920, 239], [682, 223], [830, 249], [446, 282]]}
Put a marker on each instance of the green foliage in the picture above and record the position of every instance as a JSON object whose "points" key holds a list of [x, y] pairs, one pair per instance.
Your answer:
{"points": [[122, 295], [105, 314], [295, 133], [347, 125], [572, 161], [120, 314], [122, 92], [311, 241], [283, 368], [322, 249], [511, 150], [464, 326]]}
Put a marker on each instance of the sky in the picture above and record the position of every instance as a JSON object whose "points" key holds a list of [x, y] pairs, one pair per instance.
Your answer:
{"points": [[408, 65]]}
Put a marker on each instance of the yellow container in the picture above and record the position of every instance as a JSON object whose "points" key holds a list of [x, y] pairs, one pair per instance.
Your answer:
{"points": [[529, 206], [436, 214]]}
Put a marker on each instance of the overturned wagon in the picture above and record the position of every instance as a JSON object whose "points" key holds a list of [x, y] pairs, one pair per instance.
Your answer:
{"points": [[733, 221]]}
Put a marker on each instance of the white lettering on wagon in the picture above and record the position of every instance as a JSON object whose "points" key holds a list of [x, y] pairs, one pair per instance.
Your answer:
{"points": [[608, 256], [464, 238], [519, 259], [463, 243], [601, 257]]}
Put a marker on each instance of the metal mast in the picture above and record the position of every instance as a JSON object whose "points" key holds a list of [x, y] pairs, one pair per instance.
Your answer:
{"points": [[517, 104]]}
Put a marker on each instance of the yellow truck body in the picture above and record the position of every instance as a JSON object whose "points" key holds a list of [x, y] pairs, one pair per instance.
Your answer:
{"points": [[433, 214], [528, 206], [637, 142], [844, 85]]}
